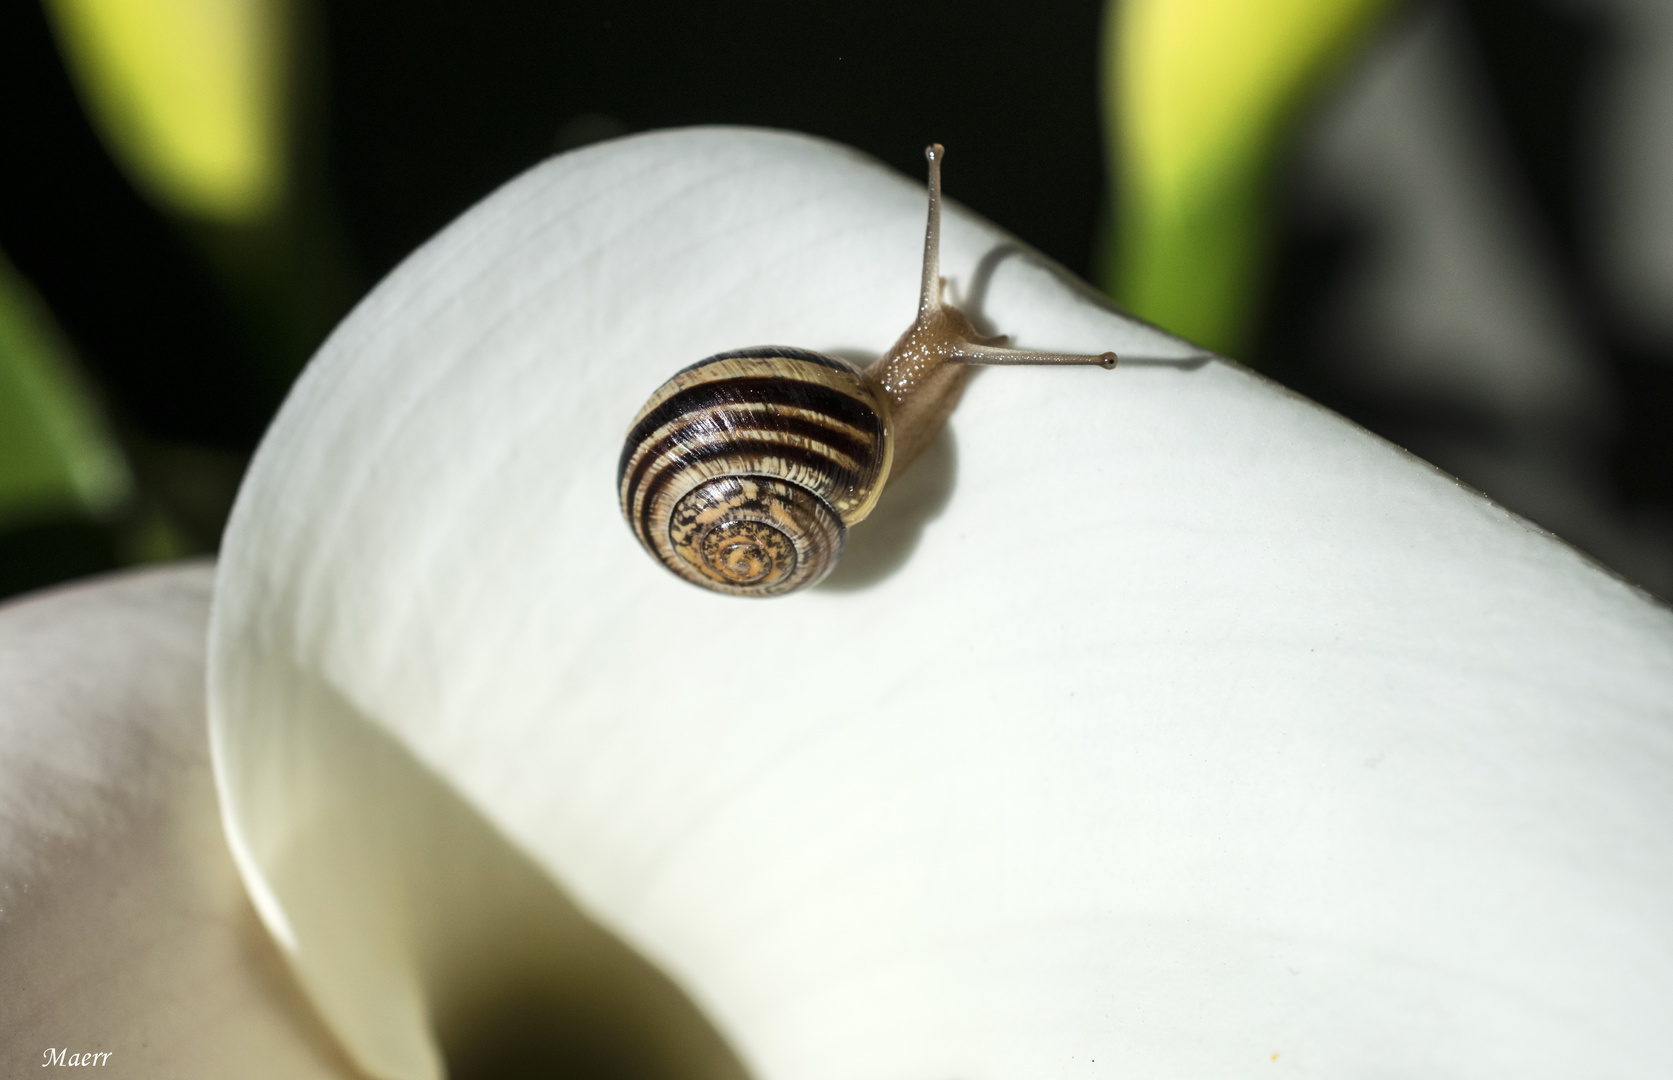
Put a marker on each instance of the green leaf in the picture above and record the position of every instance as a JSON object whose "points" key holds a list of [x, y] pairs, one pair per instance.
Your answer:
{"points": [[56, 454]]}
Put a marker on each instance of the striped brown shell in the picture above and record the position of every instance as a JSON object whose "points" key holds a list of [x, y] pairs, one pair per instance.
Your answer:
{"points": [[743, 472]]}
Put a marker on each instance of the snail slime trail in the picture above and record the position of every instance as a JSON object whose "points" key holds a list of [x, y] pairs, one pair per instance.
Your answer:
{"points": [[744, 471]]}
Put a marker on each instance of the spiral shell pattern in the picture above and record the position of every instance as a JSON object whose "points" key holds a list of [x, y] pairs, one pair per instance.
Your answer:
{"points": [[743, 472]]}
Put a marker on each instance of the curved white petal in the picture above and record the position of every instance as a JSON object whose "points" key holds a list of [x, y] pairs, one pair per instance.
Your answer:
{"points": [[124, 929], [1160, 722]]}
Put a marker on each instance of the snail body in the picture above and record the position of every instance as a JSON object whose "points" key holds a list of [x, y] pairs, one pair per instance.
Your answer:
{"points": [[744, 472]]}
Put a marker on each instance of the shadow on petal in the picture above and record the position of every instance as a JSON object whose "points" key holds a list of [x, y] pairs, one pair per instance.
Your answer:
{"points": [[433, 943], [883, 542]]}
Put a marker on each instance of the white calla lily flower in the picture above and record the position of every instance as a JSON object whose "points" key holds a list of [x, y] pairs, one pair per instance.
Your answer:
{"points": [[126, 939], [1158, 723]]}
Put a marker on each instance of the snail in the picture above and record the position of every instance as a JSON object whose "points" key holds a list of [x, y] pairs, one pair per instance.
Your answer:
{"points": [[744, 472]]}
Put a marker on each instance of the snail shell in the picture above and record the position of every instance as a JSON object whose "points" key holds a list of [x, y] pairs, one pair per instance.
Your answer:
{"points": [[743, 472]]}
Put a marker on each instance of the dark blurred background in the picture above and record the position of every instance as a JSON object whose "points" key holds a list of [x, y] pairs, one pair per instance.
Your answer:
{"points": [[1464, 224]]}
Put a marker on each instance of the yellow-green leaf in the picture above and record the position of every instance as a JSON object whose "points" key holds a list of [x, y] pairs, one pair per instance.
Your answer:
{"points": [[188, 94], [1197, 95]]}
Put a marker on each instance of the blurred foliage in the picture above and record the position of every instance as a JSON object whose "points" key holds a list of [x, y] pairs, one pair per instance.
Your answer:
{"points": [[198, 100], [57, 455], [69, 500], [1198, 95], [188, 94], [191, 318]]}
